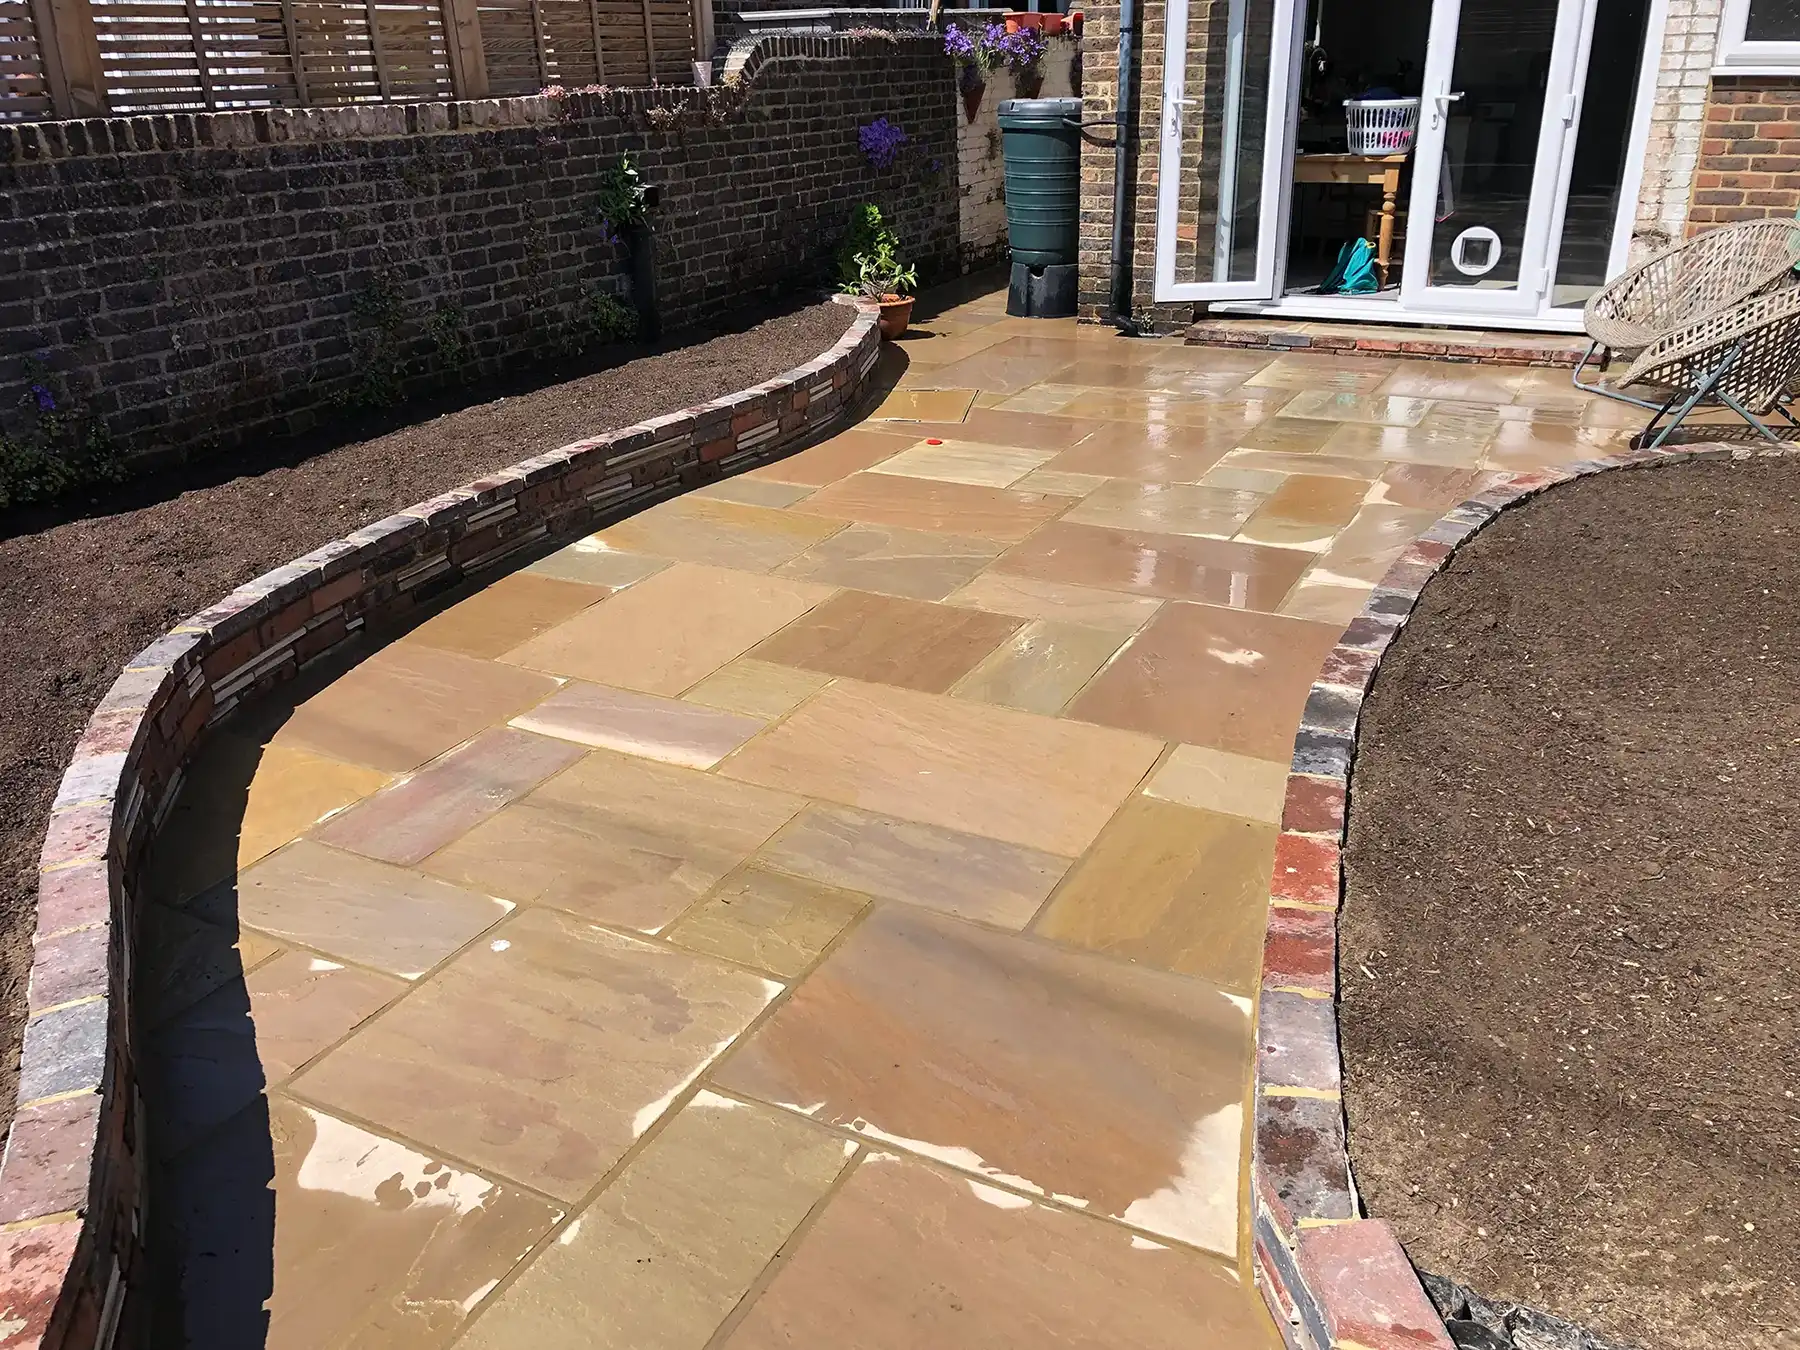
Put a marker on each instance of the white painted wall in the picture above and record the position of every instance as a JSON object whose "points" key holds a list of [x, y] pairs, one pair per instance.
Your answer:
{"points": [[980, 169]]}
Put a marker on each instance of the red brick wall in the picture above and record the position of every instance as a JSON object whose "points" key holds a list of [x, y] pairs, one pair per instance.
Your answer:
{"points": [[1750, 156]]}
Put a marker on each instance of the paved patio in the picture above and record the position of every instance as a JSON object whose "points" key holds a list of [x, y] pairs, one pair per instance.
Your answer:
{"points": [[823, 910]]}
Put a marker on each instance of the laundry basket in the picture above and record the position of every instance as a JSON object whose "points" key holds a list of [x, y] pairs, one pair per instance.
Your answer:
{"points": [[1381, 126]]}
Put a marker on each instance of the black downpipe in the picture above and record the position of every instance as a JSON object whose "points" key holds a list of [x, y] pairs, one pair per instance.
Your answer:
{"points": [[1122, 184]]}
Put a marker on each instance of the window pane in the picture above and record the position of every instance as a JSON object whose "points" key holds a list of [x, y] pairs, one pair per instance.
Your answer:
{"points": [[1773, 21], [1607, 103], [1224, 130]]}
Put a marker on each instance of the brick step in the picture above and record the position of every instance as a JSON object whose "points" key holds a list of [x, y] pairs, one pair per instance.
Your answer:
{"points": [[1436, 344]]}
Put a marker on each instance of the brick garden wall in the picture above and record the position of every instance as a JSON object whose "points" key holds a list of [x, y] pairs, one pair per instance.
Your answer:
{"points": [[198, 281], [1749, 162]]}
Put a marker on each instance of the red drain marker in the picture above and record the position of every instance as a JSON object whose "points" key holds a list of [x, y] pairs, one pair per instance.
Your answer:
{"points": [[933, 440]]}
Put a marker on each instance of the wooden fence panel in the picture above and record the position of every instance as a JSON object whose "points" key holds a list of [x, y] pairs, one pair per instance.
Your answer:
{"points": [[24, 83], [166, 55]]}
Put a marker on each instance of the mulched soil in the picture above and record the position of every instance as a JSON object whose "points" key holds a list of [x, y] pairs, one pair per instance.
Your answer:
{"points": [[1570, 997], [81, 596]]}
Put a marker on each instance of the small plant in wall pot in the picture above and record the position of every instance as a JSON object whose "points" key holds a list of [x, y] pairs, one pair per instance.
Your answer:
{"points": [[871, 266], [624, 206], [971, 67]]}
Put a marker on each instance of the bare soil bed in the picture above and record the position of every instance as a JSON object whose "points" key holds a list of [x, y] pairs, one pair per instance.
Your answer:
{"points": [[1570, 959], [80, 596]]}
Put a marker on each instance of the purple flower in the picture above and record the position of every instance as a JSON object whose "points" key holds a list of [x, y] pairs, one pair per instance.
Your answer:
{"points": [[882, 141], [958, 43], [46, 400]]}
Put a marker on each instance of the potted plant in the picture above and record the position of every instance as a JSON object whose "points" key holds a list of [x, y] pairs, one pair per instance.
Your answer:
{"points": [[869, 265], [971, 67], [1020, 47]]}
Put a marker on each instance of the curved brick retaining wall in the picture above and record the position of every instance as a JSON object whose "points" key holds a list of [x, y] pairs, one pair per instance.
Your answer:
{"points": [[71, 1186], [1330, 1275]]}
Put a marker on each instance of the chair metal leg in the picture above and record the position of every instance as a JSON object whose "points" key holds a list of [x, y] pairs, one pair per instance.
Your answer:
{"points": [[1701, 390], [1748, 416], [1599, 387]]}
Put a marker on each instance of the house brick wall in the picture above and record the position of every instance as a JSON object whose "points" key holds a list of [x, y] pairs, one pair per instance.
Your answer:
{"points": [[199, 281], [1099, 103], [1690, 44], [1749, 161]]}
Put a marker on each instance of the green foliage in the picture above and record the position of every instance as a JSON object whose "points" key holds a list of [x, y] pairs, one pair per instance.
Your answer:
{"points": [[449, 333], [869, 261], [624, 199], [599, 318], [377, 316], [610, 319], [54, 444]]}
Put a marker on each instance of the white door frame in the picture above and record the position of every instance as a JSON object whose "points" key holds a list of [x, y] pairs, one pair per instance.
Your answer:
{"points": [[1365, 309], [1278, 150], [1549, 175]]}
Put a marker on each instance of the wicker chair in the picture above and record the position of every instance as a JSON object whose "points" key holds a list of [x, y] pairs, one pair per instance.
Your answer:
{"points": [[1746, 358], [1694, 279]]}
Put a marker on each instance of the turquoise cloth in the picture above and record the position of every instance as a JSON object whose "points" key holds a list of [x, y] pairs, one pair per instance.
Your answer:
{"points": [[1354, 272]]}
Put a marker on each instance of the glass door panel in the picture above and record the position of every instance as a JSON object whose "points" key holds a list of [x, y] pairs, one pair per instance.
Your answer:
{"points": [[1226, 135], [1499, 106]]}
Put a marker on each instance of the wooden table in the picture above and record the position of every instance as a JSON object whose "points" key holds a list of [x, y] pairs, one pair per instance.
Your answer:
{"points": [[1381, 171]]}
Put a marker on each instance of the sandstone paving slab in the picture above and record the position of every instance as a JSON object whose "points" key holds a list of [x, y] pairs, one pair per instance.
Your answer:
{"points": [[349, 1237], [1173, 887], [922, 564], [948, 870], [506, 612], [1039, 782], [618, 840], [543, 1054], [1244, 679], [421, 813], [407, 704], [361, 910], [723, 533], [927, 504], [767, 920], [889, 640], [1116, 1087], [666, 1252], [908, 1256], [675, 732], [1164, 566], [757, 689], [1040, 667], [671, 630]]}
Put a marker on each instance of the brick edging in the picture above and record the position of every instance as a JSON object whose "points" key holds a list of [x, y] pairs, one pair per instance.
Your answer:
{"points": [[71, 1184], [1330, 1275]]}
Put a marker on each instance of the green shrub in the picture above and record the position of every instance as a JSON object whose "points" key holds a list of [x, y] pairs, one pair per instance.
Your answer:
{"points": [[54, 444]]}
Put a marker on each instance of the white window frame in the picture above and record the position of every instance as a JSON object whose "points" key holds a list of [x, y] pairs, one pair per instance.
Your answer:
{"points": [[1739, 56]]}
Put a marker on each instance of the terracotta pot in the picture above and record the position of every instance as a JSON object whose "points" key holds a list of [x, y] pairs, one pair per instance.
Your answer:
{"points": [[895, 311], [1053, 24], [971, 97]]}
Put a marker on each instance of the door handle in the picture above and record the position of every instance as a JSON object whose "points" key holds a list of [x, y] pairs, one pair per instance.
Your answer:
{"points": [[1443, 101]]}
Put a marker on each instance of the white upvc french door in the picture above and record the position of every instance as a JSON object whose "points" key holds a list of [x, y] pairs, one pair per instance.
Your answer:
{"points": [[1226, 144], [1493, 154]]}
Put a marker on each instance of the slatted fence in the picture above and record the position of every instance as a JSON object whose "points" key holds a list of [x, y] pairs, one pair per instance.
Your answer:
{"points": [[82, 58]]}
